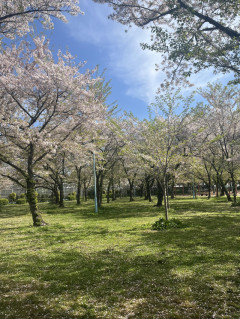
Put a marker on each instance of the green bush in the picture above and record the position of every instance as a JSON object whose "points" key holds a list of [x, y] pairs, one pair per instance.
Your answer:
{"points": [[72, 196], [163, 224], [23, 195], [3, 201], [12, 197], [21, 201]]}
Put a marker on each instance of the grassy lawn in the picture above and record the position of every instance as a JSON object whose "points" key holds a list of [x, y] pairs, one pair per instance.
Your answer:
{"points": [[112, 265]]}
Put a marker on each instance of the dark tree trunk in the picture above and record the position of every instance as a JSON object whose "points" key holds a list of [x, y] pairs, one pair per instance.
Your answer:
{"points": [[31, 191], [113, 190], [131, 186], [209, 186], [141, 190], [108, 191], [61, 193], [55, 194], [217, 187], [209, 190], [165, 197], [159, 194], [224, 189], [148, 188], [222, 193], [86, 183], [79, 184], [171, 189], [78, 194], [234, 187], [85, 194], [99, 176]]}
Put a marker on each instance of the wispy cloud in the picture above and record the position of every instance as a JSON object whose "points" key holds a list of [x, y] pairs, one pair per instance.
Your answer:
{"points": [[132, 65]]}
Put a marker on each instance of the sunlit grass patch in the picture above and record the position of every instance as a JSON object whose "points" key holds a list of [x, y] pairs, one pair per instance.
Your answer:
{"points": [[112, 265]]}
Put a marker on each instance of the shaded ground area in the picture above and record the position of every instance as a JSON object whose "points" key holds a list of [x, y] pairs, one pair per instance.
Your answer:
{"points": [[112, 265]]}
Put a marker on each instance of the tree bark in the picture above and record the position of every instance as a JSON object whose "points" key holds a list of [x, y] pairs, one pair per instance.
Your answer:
{"points": [[55, 194], [108, 191], [61, 193], [131, 185], [148, 187], [99, 176], [159, 194], [113, 190], [31, 191], [79, 185], [234, 186], [224, 189], [166, 204]]}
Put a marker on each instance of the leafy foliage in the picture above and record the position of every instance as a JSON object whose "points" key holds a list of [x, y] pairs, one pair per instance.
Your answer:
{"points": [[163, 224], [191, 35], [12, 197], [72, 196], [21, 201], [3, 201]]}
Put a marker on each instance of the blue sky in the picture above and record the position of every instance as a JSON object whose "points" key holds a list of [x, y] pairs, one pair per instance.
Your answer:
{"points": [[94, 38]]}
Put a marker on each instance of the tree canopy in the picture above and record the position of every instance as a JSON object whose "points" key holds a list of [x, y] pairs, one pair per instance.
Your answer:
{"points": [[192, 35]]}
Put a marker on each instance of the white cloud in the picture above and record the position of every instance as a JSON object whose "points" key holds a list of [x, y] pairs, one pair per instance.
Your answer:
{"points": [[132, 65]]}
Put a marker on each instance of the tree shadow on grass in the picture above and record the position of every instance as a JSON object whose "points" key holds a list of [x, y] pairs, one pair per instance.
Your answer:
{"points": [[187, 273], [115, 210], [12, 210]]}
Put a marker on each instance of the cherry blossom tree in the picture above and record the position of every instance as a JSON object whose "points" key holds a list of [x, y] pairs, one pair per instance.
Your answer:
{"points": [[42, 104], [17, 16], [223, 121], [163, 133], [108, 145], [129, 156], [192, 35]]}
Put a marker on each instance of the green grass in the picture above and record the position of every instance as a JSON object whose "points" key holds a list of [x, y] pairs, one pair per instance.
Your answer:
{"points": [[112, 265]]}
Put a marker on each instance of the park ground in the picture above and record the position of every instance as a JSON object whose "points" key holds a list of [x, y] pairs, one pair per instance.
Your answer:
{"points": [[112, 265]]}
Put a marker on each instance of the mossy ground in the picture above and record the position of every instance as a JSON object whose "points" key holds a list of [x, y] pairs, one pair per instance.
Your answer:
{"points": [[112, 265]]}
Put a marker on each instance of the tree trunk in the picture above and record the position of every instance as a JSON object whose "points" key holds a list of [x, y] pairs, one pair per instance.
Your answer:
{"points": [[141, 190], [172, 190], [209, 190], [148, 187], [224, 189], [209, 185], [56, 194], [85, 194], [159, 194], [79, 184], [78, 194], [171, 186], [234, 186], [131, 184], [99, 188], [61, 193], [217, 186], [165, 198], [148, 191], [108, 191], [31, 191], [113, 191]]}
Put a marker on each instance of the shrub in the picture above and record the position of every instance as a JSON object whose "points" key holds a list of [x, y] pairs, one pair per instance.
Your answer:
{"points": [[21, 201], [163, 224], [72, 196], [12, 197], [23, 195], [3, 201]]}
